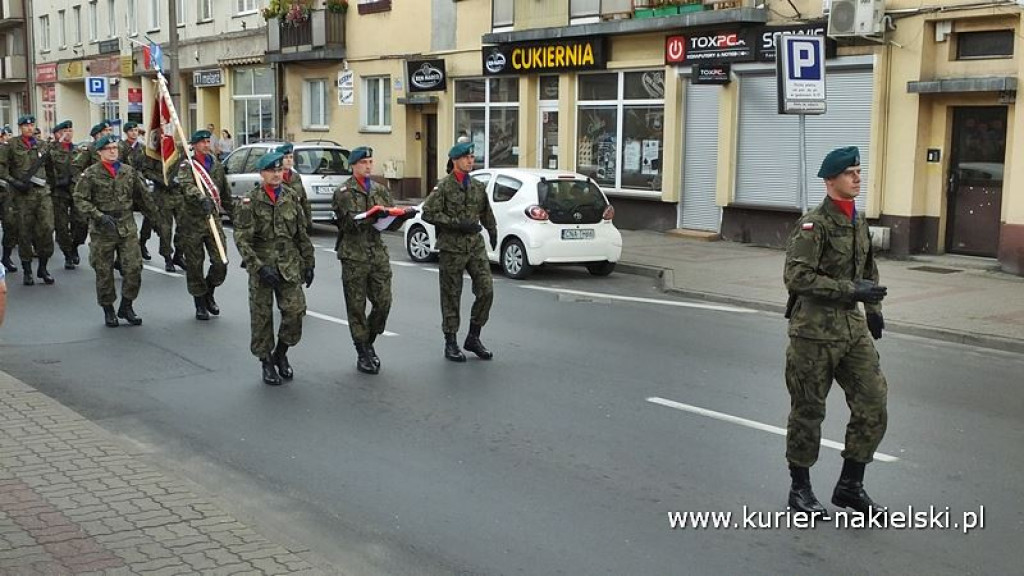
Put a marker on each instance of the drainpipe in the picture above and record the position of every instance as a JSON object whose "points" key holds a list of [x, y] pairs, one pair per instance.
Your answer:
{"points": [[30, 57]]}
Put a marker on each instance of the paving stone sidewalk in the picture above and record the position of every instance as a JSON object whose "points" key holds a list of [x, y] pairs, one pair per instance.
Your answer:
{"points": [[73, 502]]}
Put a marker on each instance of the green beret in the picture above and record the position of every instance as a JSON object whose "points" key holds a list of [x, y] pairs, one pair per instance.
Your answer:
{"points": [[130, 125], [104, 141], [98, 128], [838, 160], [284, 149], [26, 119], [271, 161], [62, 126], [359, 153], [461, 149], [5, 130], [200, 135]]}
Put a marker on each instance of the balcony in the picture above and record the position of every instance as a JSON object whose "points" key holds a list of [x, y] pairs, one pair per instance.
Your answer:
{"points": [[320, 37], [13, 69], [12, 13]]}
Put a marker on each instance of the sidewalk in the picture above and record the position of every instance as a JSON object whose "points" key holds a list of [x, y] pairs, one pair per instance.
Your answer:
{"points": [[73, 502], [959, 299]]}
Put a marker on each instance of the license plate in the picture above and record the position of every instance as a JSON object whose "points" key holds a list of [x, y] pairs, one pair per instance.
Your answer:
{"points": [[327, 190], [578, 234]]}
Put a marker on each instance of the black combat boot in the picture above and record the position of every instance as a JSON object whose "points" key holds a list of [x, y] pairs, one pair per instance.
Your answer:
{"points": [[7, 262], [178, 260], [211, 304], [801, 497], [451, 349], [280, 358], [168, 265], [849, 492], [117, 266], [270, 375], [128, 313], [43, 273], [145, 251], [78, 260], [474, 345], [26, 270], [69, 260], [201, 312], [109, 316], [372, 352], [364, 362]]}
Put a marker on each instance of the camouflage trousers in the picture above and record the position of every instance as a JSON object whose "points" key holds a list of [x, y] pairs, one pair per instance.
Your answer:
{"points": [[35, 232], [102, 246], [71, 228], [169, 211], [197, 244], [291, 301], [364, 281], [811, 365], [452, 265], [9, 215]]}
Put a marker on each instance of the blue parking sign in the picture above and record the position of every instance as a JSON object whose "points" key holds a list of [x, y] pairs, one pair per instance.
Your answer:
{"points": [[96, 89], [800, 73]]}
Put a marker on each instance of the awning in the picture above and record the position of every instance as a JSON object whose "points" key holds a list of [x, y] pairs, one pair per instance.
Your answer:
{"points": [[955, 85], [418, 99], [241, 60]]}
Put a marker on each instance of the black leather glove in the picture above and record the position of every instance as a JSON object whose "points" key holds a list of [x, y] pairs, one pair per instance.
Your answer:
{"points": [[269, 276], [20, 185], [410, 212], [109, 222], [868, 291], [207, 204], [875, 324], [307, 274], [469, 226], [493, 237]]}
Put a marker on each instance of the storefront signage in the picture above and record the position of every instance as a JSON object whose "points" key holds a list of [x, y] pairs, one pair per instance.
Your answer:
{"points": [[711, 74], [552, 56], [204, 78], [49, 93], [135, 95], [720, 46], [71, 71], [105, 66], [46, 73], [111, 46], [426, 75], [127, 66], [766, 38]]}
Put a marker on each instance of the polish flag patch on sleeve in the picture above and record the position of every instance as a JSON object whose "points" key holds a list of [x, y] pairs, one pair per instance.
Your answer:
{"points": [[807, 226]]}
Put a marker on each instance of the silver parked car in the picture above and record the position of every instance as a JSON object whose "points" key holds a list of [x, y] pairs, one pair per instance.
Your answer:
{"points": [[323, 167]]}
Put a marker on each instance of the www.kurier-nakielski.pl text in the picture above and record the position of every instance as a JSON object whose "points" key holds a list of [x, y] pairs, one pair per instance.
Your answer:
{"points": [[909, 518]]}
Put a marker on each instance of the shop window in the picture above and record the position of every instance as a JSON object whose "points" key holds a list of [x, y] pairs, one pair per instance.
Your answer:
{"points": [[620, 129], [254, 103], [376, 104], [505, 188], [487, 112], [549, 87], [987, 44]]}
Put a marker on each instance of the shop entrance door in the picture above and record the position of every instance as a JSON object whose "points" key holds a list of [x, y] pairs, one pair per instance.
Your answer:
{"points": [[975, 181], [547, 152]]}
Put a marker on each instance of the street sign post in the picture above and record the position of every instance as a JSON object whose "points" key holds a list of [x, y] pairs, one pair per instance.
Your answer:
{"points": [[800, 81], [97, 89]]}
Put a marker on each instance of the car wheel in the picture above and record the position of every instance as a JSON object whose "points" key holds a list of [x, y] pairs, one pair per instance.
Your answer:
{"points": [[417, 244], [514, 262], [601, 268]]}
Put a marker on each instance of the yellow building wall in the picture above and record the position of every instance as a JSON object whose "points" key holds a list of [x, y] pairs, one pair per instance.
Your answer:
{"points": [[531, 14]]}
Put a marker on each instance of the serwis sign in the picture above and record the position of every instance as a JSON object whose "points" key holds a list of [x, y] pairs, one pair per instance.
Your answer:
{"points": [[553, 56], [426, 75]]}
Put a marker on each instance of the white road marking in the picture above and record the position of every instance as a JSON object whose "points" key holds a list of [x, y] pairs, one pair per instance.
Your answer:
{"points": [[406, 264], [718, 307], [339, 321], [162, 271], [753, 424]]}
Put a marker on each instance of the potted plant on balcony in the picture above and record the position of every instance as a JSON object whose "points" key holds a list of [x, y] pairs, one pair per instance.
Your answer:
{"points": [[288, 12], [337, 6], [643, 8], [666, 8], [685, 6]]}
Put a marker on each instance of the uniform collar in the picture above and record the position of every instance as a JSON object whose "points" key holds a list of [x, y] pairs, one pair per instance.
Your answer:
{"points": [[829, 208]]}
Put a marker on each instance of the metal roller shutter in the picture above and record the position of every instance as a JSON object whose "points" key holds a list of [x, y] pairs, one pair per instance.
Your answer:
{"points": [[847, 123], [700, 159]]}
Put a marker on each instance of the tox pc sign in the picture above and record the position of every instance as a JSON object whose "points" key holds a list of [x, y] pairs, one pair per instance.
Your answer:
{"points": [[800, 74], [96, 89]]}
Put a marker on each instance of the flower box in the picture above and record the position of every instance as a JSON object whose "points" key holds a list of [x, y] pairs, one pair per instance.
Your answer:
{"points": [[643, 13], [666, 10], [683, 9]]}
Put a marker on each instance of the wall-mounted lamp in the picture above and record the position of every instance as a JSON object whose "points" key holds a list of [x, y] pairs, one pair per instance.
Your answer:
{"points": [[418, 136]]}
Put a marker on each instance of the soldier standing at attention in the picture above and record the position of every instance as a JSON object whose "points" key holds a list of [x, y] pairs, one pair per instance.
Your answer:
{"points": [[133, 154], [459, 209], [8, 215], [270, 233], [365, 263], [293, 181], [829, 269], [194, 229], [71, 228], [26, 175], [104, 196]]}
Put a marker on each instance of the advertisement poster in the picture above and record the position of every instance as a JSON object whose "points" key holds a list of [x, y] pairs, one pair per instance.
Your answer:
{"points": [[651, 164]]}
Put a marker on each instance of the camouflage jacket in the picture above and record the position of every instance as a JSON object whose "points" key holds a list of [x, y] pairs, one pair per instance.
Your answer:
{"points": [[59, 173], [20, 157], [449, 205], [194, 195], [358, 238], [131, 154], [98, 193], [153, 169], [825, 255], [273, 234], [84, 158], [294, 183]]}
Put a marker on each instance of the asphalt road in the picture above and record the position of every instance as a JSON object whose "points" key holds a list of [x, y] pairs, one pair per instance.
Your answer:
{"points": [[564, 455]]}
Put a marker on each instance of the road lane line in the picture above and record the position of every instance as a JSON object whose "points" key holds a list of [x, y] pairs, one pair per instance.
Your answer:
{"points": [[340, 321], [752, 424], [406, 264], [717, 307], [162, 271]]}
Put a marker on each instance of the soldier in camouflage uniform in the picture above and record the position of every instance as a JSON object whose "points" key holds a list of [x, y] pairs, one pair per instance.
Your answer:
{"points": [[293, 181], [271, 236], [829, 269], [87, 155], [459, 209], [104, 195], [133, 153], [196, 238], [365, 263], [25, 173], [8, 214], [71, 228], [170, 208]]}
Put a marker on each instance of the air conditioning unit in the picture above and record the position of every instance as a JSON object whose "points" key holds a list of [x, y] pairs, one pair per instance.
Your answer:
{"points": [[856, 18]]}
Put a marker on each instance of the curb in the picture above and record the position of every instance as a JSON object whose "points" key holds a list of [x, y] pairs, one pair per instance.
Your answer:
{"points": [[666, 283]]}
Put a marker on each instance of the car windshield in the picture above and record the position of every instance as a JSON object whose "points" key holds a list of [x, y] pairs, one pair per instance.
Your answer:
{"points": [[568, 195], [327, 161]]}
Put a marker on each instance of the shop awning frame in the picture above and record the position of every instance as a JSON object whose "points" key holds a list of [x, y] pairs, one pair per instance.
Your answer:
{"points": [[959, 85]]}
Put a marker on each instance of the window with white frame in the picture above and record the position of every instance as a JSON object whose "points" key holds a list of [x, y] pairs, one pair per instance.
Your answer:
{"points": [[111, 19], [487, 112], [376, 110], [44, 33], [620, 128], [76, 17], [246, 6], [584, 8], [133, 17], [205, 10], [154, 14], [180, 9], [314, 104], [94, 22], [502, 13], [62, 33]]}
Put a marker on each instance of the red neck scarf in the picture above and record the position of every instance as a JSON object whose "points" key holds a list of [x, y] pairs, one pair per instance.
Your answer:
{"points": [[272, 192], [111, 167], [287, 175], [461, 177], [846, 207]]}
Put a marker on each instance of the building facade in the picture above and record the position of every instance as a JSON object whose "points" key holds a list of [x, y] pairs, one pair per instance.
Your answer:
{"points": [[14, 61]]}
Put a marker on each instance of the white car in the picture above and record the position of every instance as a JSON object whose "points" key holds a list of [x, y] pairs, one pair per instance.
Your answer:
{"points": [[543, 217]]}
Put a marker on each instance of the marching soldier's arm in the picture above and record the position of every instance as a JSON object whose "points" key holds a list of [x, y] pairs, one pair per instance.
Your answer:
{"points": [[344, 211], [305, 246], [871, 273], [187, 180], [83, 200], [223, 188], [307, 208], [433, 210], [5, 158], [81, 161], [487, 216], [144, 197], [802, 274], [245, 232]]}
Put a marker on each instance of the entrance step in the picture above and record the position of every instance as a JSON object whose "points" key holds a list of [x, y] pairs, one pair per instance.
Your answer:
{"points": [[700, 235]]}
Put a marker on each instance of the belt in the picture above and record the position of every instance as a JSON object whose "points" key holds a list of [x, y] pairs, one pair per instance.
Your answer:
{"points": [[833, 304], [114, 213]]}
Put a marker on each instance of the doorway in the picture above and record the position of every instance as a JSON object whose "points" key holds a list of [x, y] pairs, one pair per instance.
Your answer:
{"points": [[975, 180], [430, 126], [547, 155]]}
